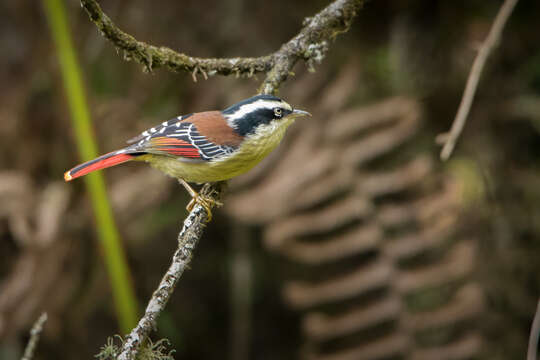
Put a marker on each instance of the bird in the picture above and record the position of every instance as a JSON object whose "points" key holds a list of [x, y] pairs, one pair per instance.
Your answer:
{"points": [[207, 146]]}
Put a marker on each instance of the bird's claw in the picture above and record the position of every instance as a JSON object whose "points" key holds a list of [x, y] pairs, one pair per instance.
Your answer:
{"points": [[206, 202]]}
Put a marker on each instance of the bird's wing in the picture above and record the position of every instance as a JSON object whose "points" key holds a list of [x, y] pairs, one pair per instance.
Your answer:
{"points": [[179, 138], [157, 129]]}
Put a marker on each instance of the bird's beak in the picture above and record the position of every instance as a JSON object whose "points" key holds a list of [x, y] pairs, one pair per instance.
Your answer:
{"points": [[298, 113]]}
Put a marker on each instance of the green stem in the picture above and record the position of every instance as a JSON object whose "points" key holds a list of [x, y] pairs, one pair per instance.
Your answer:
{"points": [[114, 256]]}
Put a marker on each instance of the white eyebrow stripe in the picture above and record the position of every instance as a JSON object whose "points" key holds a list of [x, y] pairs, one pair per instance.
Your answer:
{"points": [[247, 108]]}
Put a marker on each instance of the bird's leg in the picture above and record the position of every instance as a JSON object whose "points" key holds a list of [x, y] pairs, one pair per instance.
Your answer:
{"points": [[205, 201]]}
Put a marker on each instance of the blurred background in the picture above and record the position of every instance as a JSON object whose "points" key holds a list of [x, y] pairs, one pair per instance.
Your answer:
{"points": [[352, 241]]}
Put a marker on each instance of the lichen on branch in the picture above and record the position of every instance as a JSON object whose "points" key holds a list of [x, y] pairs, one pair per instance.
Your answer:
{"points": [[310, 44], [153, 57]]}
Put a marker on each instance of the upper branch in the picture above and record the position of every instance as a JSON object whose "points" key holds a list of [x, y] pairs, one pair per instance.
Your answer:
{"points": [[310, 44], [152, 57]]}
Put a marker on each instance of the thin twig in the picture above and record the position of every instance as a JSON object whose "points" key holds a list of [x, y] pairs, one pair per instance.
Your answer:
{"points": [[449, 139], [532, 350], [34, 337], [310, 44]]}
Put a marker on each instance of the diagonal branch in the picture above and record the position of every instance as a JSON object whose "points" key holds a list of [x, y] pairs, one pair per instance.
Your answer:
{"points": [[35, 333], [187, 241], [449, 139], [310, 45]]}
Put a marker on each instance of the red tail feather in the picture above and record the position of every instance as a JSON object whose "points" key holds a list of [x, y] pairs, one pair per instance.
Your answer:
{"points": [[101, 162]]}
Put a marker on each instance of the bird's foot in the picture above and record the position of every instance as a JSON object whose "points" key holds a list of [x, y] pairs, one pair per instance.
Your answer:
{"points": [[204, 199], [206, 202]]}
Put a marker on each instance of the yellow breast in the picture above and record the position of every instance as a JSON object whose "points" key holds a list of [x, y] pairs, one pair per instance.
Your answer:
{"points": [[253, 149]]}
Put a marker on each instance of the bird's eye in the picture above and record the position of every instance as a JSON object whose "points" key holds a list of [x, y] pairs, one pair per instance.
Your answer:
{"points": [[278, 112]]}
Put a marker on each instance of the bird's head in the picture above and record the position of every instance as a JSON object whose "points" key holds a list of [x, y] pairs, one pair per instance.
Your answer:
{"points": [[261, 114]]}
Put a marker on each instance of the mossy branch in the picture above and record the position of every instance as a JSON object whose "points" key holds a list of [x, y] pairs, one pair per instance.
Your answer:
{"points": [[310, 45]]}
